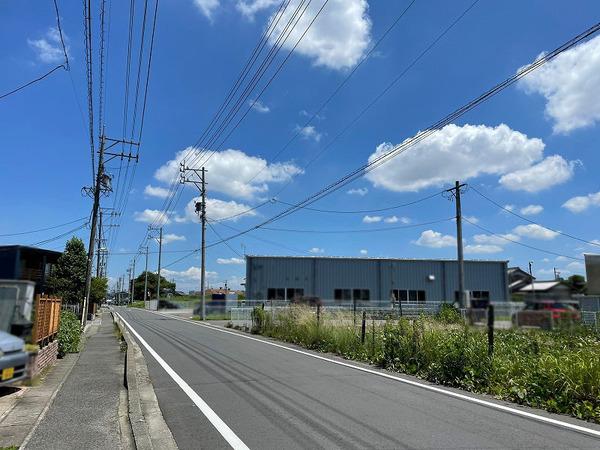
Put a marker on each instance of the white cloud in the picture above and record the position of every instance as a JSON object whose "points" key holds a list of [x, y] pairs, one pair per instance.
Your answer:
{"points": [[309, 132], [372, 219], [581, 203], [491, 239], [561, 258], [337, 39], [233, 260], [571, 85], [207, 7], [230, 172], [509, 207], [532, 210], [170, 237], [534, 231], [482, 248], [549, 172], [576, 266], [258, 106], [317, 250], [250, 8], [49, 48], [189, 278], [455, 153], [364, 252], [471, 219], [435, 239], [152, 216], [358, 191], [156, 191], [395, 219], [218, 210]]}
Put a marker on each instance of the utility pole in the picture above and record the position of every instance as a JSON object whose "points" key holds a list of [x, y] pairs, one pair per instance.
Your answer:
{"points": [[133, 281], [556, 274], [197, 177], [531, 270], [455, 192], [98, 266], [102, 185], [160, 235], [146, 277], [129, 285]]}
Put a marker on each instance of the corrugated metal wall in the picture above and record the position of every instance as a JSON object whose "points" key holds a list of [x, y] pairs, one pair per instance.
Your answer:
{"points": [[319, 276]]}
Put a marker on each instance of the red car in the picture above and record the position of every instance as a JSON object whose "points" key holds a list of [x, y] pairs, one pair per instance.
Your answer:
{"points": [[560, 309]]}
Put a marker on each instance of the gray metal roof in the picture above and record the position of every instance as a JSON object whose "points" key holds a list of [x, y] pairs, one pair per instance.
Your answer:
{"points": [[374, 258]]}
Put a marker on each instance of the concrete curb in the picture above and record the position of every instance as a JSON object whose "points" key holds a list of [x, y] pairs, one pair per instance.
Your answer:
{"points": [[150, 431]]}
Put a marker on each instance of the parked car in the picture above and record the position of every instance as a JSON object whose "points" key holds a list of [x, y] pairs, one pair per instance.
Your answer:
{"points": [[560, 310], [13, 360]]}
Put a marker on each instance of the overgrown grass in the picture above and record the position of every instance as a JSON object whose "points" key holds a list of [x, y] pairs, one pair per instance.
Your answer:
{"points": [[137, 304], [555, 370], [69, 333]]}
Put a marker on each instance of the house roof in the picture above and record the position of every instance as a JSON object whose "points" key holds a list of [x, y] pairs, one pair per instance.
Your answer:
{"points": [[541, 286], [375, 258], [29, 249]]}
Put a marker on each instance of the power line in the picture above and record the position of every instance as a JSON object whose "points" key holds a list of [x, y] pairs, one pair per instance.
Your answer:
{"points": [[562, 233], [519, 243], [366, 230], [62, 66], [59, 236], [382, 159], [44, 229], [60, 34], [226, 243]]}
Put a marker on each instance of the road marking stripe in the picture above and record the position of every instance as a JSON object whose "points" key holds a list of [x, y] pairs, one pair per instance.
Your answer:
{"points": [[467, 398], [232, 439]]}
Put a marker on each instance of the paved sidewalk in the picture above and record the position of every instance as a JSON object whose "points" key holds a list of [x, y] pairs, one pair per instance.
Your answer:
{"points": [[85, 412]]}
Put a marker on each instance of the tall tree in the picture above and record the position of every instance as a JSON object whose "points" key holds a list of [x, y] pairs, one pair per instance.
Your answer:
{"points": [[67, 278], [166, 287], [98, 290], [577, 284]]}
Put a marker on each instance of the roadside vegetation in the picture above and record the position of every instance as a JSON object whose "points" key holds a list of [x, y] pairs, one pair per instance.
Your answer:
{"points": [[137, 304], [555, 370], [69, 333]]}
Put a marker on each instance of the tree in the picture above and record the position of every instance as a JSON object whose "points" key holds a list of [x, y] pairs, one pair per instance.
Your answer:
{"points": [[166, 287], [67, 279], [577, 283], [98, 290]]}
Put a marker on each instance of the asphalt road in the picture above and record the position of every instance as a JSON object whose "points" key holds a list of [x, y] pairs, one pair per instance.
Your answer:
{"points": [[272, 398]]}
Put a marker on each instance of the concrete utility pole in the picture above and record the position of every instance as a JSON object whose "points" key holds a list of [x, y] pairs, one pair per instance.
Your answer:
{"points": [[133, 280], [531, 270], [102, 185], [160, 235], [146, 277], [198, 178], [98, 266], [129, 285], [462, 297]]}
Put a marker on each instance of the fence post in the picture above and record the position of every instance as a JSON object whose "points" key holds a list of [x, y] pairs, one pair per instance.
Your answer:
{"points": [[373, 335], [490, 330], [363, 327], [354, 310], [318, 316]]}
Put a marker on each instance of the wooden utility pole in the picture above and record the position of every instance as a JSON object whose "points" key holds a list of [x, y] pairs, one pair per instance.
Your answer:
{"points": [[456, 191], [197, 177]]}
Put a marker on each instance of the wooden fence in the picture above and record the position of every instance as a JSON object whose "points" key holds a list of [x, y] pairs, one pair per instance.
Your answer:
{"points": [[47, 318]]}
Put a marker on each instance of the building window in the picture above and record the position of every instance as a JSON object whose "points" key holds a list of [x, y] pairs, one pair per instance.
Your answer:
{"points": [[293, 293], [412, 296], [480, 295], [275, 294], [342, 294], [361, 294]]}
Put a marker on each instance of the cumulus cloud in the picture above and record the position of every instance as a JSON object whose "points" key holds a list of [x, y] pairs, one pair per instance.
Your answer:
{"points": [[358, 191], [532, 210], [309, 132], [317, 250], [435, 239], [232, 172], [372, 219], [395, 219], [258, 106], [152, 216], [535, 231], [571, 85], [170, 237], [189, 278], [491, 239], [549, 172], [49, 48], [581, 203], [218, 210], [364, 251], [456, 153], [250, 8], [338, 38], [156, 191], [482, 248], [471, 219], [233, 260], [207, 7]]}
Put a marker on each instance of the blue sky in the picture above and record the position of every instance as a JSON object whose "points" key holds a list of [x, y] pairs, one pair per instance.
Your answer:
{"points": [[534, 147]]}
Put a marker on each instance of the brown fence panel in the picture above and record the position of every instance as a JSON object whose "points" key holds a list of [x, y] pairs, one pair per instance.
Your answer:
{"points": [[47, 318]]}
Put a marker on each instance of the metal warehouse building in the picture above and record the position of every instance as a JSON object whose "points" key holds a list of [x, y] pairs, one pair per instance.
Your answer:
{"points": [[339, 279]]}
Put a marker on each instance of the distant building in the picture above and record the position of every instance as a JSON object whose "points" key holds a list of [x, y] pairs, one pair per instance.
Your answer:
{"points": [[19, 262], [518, 278], [551, 290], [370, 280]]}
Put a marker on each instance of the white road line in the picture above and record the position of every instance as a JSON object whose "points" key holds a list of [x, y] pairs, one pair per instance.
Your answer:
{"points": [[467, 398], [232, 439]]}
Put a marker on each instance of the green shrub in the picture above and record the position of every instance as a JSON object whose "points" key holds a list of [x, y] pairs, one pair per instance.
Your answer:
{"points": [[137, 304], [69, 333], [448, 313]]}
